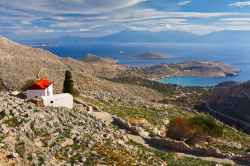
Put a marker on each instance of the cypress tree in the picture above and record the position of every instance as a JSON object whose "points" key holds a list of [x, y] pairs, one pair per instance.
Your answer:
{"points": [[68, 86]]}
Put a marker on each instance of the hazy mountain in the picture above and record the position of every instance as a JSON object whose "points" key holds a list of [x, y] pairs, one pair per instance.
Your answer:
{"points": [[147, 36], [227, 36], [129, 36]]}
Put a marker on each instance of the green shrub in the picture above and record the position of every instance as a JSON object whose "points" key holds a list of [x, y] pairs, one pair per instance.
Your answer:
{"points": [[2, 137], [14, 122], [193, 130], [41, 161], [20, 149], [182, 130], [30, 157], [68, 83], [208, 125]]}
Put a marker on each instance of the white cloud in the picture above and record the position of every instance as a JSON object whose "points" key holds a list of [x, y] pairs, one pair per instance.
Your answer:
{"points": [[75, 1], [100, 17], [184, 3], [137, 28], [25, 22], [240, 4], [83, 30], [66, 24], [67, 6], [245, 19]]}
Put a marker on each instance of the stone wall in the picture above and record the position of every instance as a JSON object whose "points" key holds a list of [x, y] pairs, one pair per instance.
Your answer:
{"points": [[179, 146], [135, 129], [169, 143], [90, 107]]}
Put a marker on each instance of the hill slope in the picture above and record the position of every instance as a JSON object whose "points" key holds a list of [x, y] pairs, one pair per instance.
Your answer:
{"points": [[20, 63], [59, 136], [233, 101]]}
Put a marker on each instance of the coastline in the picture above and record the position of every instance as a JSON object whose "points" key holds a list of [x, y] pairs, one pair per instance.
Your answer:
{"points": [[193, 81]]}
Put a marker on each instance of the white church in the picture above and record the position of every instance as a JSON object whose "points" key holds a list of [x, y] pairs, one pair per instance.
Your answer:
{"points": [[43, 89]]}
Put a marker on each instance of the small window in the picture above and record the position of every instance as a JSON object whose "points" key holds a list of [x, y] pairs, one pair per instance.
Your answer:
{"points": [[36, 96], [51, 102]]}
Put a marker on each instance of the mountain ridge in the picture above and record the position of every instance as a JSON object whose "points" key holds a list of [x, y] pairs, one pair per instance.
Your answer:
{"points": [[171, 36]]}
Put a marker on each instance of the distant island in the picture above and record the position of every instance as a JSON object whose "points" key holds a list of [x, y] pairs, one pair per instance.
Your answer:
{"points": [[90, 58], [49, 44], [152, 55]]}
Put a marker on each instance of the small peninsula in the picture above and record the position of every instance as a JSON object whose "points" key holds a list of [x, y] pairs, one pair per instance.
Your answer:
{"points": [[152, 55], [190, 68]]}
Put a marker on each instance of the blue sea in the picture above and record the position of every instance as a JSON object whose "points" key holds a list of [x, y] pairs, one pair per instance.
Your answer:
{"points": [[237, 55]]}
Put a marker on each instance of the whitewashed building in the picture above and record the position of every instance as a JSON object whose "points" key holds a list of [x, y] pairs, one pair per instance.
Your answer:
{"points": [[41, 88], [60, 100]]}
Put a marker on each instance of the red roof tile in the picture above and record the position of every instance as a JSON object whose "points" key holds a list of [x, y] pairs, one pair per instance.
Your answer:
{"points": [[40, 85]]}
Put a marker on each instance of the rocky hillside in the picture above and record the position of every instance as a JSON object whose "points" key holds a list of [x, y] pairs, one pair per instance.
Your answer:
{"points": [[31, 135], [233, 101], [20, 63], [56, 136], [227, 84]]}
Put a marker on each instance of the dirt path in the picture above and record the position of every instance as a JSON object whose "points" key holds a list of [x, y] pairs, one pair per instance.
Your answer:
{"points": [[108, 118]]}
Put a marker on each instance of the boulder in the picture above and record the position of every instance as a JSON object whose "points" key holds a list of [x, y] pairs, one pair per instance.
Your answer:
{"points": [[12, 155], [67, 142], [140, 122]]}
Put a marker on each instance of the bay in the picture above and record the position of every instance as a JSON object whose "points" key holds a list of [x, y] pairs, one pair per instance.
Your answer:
{"points": [[236, 54]]}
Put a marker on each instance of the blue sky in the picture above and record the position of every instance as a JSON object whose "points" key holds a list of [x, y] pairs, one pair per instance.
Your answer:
{"points": [[33, 19]]}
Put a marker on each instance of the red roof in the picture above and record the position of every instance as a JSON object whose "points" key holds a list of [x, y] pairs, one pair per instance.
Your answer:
{"points": [[40, 85]]}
